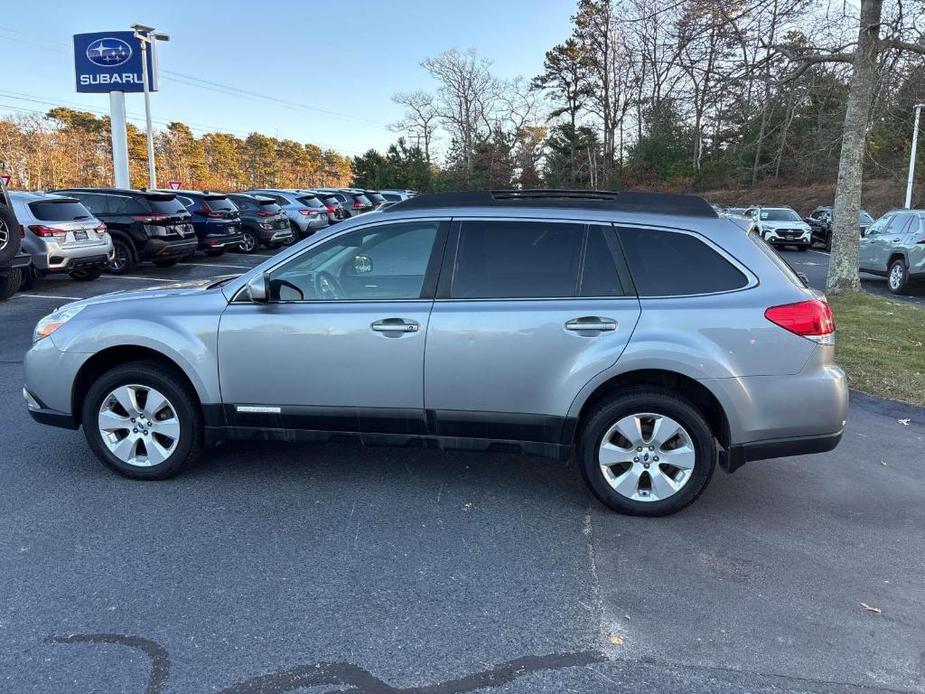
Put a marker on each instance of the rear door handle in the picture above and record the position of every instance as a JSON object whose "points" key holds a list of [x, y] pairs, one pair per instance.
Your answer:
{"points": [[395, 325], [591, 323]]}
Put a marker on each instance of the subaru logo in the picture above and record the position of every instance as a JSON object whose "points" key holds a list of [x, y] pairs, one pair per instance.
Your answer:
{"points": [[109, 52]]}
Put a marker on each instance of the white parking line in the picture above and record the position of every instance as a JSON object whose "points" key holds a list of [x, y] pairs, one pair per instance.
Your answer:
{"points": [[812, 250], [46, 296], [236, 267], [145, 279]]}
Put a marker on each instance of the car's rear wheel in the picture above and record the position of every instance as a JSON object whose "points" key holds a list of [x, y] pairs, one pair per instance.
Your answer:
{"points": [[86, 274], [646, 452], [123, 260], [250, 242], [9, 239], [898, 277], [141, 420]]}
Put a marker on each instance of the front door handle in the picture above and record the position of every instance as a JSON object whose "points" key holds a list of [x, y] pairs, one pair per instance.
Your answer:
{"points": [[591, 323], [395, 325]]}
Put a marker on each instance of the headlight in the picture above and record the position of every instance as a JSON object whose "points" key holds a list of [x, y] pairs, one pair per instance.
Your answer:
{"points": [[53, 321]]}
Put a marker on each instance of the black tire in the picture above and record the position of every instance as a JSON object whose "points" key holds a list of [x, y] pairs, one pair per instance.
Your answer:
{"points": [[170, 262], [655, 401], [28, 279], [215, 252], [900, 283], [9, 283], [86, 274], [296, 234], [123, 261], [250, 244], [9, 234], [166, 380]]}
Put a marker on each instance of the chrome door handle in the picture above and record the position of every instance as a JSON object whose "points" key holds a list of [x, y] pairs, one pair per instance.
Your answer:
{"points": [[395, 325], [591, 323]]}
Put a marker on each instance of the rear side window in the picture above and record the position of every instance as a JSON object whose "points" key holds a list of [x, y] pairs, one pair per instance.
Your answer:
{"points": [[123, 204], [667, 263], [517, 260], [59, 210], [599, 272], [96, 204]]}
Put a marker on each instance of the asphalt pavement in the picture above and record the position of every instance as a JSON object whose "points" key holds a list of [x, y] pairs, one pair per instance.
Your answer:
{"points": [[280, 567]]}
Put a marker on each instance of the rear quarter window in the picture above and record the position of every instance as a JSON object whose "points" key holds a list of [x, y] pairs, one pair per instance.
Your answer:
{"points": [[669, 263]]}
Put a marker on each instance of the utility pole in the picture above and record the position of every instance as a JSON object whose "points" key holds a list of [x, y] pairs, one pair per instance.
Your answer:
{"points": [[915, 141], [146, 35]]}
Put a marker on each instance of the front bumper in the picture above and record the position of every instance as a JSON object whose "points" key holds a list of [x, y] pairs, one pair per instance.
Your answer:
{"points": [[45, 415]]}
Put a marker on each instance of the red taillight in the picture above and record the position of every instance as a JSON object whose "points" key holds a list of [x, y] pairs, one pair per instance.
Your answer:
{"points": [[811, 319], [101, 229], [47, 232], [264, 213], [357, 205], [330, 208], [149, 218], [307, 212]]}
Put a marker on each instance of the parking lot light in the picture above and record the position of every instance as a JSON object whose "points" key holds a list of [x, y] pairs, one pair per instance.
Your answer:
{"points": [[146, 35], [915, 139]]}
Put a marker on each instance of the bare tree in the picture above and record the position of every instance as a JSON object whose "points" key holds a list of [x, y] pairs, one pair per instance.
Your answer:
{"points": [[420, 121]]}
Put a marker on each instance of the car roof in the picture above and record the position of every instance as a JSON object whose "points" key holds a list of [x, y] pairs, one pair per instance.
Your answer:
{"points": [[117, 191], [208, 194], [252, 196], [33, 195]]}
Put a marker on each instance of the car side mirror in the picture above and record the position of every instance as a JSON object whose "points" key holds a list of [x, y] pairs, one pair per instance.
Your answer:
{"points": [[362, 264], [258, 288]]}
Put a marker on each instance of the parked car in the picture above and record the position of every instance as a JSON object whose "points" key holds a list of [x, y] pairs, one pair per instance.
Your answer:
{"points": [[144, 225], [333, 204], [14, 263], [396, 195], [821, 221], [306, 213], [263, 222], [215, 219], [735, 211], [637, 330], [62, 236], [781, 226], [374, 198], [894, 247], [354, 201]]}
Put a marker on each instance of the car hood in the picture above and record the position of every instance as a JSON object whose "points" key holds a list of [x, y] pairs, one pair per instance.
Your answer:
{"points": [[800, 224], [174, 289]]}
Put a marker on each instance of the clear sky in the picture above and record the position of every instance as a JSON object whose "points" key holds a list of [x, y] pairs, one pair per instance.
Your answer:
{"points": [[346, 58]]}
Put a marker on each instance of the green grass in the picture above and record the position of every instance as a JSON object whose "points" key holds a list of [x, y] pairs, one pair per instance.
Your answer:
{"points": [[880, 343]]}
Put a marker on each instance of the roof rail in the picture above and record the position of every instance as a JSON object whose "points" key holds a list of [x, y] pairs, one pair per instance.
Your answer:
{"points": [[631, 201]]}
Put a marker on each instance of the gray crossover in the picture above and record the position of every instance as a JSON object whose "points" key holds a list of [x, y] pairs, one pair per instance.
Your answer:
{"points": [[638, 332]]}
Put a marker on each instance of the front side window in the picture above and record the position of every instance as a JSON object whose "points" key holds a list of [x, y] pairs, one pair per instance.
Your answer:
{"points": [[384, 262], [880, 225], [668, 263]]}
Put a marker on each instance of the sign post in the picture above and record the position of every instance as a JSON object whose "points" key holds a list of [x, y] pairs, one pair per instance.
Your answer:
{"points": [[111, 62]]}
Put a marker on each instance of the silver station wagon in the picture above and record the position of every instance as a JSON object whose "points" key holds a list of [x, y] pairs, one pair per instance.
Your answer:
{"points": [[639, 333]]}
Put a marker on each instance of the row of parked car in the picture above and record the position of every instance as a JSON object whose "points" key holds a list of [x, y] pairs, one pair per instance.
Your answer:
{"points": [[893, 246], [83, 232]]}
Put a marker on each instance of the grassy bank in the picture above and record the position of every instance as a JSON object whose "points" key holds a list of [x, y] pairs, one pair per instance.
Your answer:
{"points": [[880, 343]]}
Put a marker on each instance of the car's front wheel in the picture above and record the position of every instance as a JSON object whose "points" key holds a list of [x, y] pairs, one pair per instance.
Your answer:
{"points": [[898, 277], [646, 452], [141, 420]]}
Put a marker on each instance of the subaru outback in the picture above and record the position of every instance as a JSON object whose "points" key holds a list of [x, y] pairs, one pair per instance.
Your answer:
{"points": [[638, 332]]}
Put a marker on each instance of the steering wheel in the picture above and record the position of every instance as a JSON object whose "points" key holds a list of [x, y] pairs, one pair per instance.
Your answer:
{"points": [[326, 287]]}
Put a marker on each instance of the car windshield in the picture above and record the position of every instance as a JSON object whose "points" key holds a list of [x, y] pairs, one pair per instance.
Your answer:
{"points": [[59, 211], [865, 218], [779, 214], [310, 201], [165, 204]]}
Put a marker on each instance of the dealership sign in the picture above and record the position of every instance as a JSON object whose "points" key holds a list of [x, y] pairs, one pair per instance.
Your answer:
{"points": [[111, 62]]}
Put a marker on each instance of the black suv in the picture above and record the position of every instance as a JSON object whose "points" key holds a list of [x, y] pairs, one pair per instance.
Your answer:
{"points": [[820, 221], [215, 219], [144, 225], [13, 262], [262, 222]]}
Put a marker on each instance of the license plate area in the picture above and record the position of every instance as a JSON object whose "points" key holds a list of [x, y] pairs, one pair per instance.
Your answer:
{"points": [[80, 235]]}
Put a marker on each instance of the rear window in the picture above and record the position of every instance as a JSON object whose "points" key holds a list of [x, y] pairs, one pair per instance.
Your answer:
{"points": [[391, 197], [243, 203], [668, 263], [375, 197], [220, 204], [310, 201], [59, 210], [270, 206], [164, 205], [362, 199]]}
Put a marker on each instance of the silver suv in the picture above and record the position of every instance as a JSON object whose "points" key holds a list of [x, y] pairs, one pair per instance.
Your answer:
{"points": [[637, 331], [894, 246]]}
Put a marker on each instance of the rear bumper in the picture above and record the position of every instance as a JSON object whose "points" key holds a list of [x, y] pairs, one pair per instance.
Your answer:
{"points": [[159, 248], [207, 243], [270, 235], [736, 456]]}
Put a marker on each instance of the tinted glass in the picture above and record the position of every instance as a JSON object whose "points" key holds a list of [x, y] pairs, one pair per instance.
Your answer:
{"points": [[880, 225], [243, 203], [270, 206], [375, 197], [392, 197], [363, 200], [517, 260], [779, 215], [220, 204], [96, 204], [124, 204], [665, 263], [59, 211], [310, 201], [383, 262], [163, 205], [599, 272]]}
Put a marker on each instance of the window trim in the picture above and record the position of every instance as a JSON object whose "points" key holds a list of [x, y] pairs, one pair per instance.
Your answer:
{"points": [[751, 280], [451, 259], [428, 286]]}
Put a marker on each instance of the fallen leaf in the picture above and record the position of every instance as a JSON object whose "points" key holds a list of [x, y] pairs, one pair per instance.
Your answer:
{"points": [[867, 607], [615, 640], [904, 422]]}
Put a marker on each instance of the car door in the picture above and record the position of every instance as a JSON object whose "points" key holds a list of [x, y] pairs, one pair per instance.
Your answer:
{"points": [[526, 314], [872, 251], [340, 344]]}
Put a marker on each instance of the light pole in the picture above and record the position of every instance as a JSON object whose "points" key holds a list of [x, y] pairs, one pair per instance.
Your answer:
{"points": [[915, 141], [146, 35]]}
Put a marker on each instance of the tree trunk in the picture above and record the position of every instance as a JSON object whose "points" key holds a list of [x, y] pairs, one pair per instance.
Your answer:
{"points": [[843, 262]]}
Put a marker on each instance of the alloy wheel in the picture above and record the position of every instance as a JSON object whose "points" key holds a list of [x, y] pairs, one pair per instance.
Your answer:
{"points": [[249, 243], [647, 457], [896, 276], [139, 425]]}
